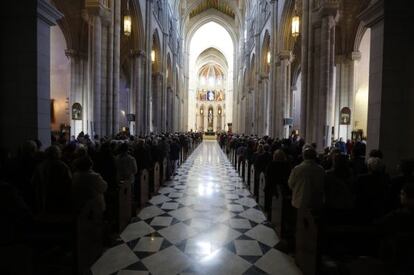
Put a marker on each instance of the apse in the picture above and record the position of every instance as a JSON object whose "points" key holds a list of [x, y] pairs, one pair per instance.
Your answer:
{"points": [[210, 98]]}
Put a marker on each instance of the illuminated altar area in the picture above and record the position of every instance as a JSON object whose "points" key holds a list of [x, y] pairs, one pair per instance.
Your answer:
{"points": [[211, 80], [210, 99]]}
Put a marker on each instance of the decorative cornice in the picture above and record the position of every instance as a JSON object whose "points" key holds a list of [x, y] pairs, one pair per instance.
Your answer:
{"points": [[47, 12]]}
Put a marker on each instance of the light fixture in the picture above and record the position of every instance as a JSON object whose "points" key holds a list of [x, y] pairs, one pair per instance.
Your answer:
{"points": [[295, 25], [201, 111], [219, 111], [127, 22], [153, 55], [269, 57]]}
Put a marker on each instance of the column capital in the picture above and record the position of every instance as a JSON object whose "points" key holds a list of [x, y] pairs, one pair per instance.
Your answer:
{"points": [[356, 55], [96, 8], [137, 53], [158, 75], [263, 76], [72, 53], [328, 7], [285, 55]]}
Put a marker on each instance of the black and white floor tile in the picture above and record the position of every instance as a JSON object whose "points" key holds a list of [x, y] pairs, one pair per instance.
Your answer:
{"points": [[204, 221]]}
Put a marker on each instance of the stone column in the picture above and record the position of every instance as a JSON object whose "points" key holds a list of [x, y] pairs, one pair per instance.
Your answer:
{"points": [[110, 73], [95, 11], [391, 85], [285, 90], [117, 47], [305, 100], [148, 68], [273, 80]]}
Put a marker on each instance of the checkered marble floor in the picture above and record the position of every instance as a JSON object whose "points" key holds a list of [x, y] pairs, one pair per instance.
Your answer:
{"points": [[204, 221]]}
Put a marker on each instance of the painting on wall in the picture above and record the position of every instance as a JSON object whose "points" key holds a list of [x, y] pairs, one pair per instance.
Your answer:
{"points": [[76, 111], [345, 116]]}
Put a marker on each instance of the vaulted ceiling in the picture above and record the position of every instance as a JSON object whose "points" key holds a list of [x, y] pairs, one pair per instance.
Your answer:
{"points": [[219, 5]]}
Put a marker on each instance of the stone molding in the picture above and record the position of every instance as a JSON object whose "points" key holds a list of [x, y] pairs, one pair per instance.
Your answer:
{"points": [[372, 14], [47, 12]]}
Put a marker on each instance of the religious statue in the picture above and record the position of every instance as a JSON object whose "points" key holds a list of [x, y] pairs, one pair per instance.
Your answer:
{"points": [[210, 116]]}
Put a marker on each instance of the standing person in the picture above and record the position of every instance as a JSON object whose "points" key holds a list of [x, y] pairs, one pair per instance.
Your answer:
{"points": [[307, 182], [126, 166], [277, 174]]}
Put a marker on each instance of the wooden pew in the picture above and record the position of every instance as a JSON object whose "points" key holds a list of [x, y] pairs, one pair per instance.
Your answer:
{"points": [[261, 194], [164, 170], [251, 183], [239, 168], [156, 178], [276, 217], [246, 172], [307, 240], [144, 188], [89, 232], [124, 205], [242, 168], [235, 159]]}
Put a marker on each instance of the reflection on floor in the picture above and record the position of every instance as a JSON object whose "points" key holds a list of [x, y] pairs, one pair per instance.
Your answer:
{"points": [[202, 222]]}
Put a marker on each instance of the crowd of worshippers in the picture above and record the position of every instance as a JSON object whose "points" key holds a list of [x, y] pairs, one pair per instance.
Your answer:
{"points": [[58, 180], [341, 184]]}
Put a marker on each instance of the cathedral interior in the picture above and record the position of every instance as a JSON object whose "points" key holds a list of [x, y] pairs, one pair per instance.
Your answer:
{"points": [[207, 137]]}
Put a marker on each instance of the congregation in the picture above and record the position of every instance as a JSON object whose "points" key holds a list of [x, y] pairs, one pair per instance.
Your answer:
{"points": [[61, 206], [357, 208]]}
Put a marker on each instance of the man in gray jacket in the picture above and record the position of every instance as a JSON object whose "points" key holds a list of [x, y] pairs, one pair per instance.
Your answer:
{"points": [[307, 181]]}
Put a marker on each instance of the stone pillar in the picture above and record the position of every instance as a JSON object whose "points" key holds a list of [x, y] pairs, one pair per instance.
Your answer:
{"points": [[148, 68], [25, 96], [95, 75], [285, 90], [319, 83], [156, 105], [110, 73], [305, 100], [273, 79], [391, 85], [117, 42]]}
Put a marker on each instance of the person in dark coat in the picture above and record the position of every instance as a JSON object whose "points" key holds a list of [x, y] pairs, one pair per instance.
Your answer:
{"points": [[372, 190], [277, 175]]}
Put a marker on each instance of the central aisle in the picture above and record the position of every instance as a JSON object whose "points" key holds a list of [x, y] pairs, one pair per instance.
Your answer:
{"points": [[202, 222]]}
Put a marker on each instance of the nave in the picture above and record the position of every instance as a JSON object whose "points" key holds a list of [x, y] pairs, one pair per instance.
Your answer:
{"points": [[204, 221]]}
